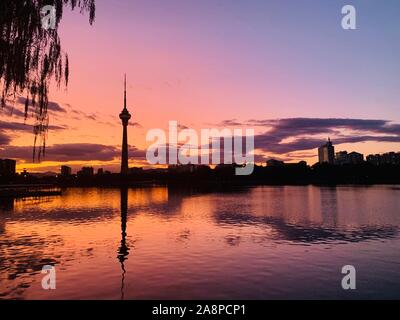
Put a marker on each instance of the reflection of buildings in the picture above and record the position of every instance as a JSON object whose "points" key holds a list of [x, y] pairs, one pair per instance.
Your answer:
{"points": [[125, 116], [7, 204], [7, 167], [123, 250], [326, 153], [329, 206], [282, 229]]}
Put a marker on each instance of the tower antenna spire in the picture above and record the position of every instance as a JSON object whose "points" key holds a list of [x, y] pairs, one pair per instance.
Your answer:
{"points": [[125, 92]]}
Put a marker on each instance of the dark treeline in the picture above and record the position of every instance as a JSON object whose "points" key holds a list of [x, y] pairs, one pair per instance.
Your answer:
{"points": [[225, 176], [295, 175]]}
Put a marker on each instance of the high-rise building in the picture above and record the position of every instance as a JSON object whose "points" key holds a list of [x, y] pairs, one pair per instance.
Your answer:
{"points": [[7, 167], [326, 153], [66, 171], [125, 116]]}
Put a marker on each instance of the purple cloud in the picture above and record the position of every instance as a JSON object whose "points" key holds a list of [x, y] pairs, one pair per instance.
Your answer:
{"points": [[52, 106], [302, 130], [72, 152], [18, 126], [4, 139]]}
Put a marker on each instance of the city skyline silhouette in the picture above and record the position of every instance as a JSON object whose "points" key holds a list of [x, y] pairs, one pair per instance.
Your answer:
{"points": [[292, 101], [189, 157]]}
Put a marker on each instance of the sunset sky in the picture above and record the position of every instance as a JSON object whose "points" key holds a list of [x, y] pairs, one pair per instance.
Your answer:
{"points": [[285, 68]]}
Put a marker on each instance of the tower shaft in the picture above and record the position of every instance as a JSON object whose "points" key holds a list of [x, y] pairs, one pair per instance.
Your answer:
{"points": [[124, 157], [125, 116]]}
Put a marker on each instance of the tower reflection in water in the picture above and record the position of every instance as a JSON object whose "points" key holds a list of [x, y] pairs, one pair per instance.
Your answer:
{"points": [[123, 250]]}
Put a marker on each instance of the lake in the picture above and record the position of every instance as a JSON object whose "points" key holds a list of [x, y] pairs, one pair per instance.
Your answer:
{"points": [[287, 242]]}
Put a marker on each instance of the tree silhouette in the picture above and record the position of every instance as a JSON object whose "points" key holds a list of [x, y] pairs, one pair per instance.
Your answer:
{"points": [[31, 56]]}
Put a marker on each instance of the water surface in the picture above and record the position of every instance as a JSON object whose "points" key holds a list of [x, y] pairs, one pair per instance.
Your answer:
{"points": [[158, 243]]}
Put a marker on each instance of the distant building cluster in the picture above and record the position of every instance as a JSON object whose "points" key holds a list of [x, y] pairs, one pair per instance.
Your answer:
{"points": [[84, 172], [343, 157], [326, 154], [386, 158], [7, 167]]}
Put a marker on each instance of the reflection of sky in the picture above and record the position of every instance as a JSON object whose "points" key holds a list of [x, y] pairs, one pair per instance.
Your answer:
{"points": [[205, 61], [172, 241]]}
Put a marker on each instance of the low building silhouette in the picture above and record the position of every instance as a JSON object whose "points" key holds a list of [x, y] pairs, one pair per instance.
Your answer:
{"points": [[386, 158], [356, 158], [275, 163], [135, 170], [86, 172], [296, 164], [7, 167], [343, 158], [186, 168], [66, 171]]}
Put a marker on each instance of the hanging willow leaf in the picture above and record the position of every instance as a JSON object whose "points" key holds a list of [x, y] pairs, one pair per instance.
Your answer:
{"points": [[26, 107], [31, 56]]}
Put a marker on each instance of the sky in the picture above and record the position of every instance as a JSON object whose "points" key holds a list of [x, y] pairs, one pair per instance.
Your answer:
{"points": [[284, 68]]}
